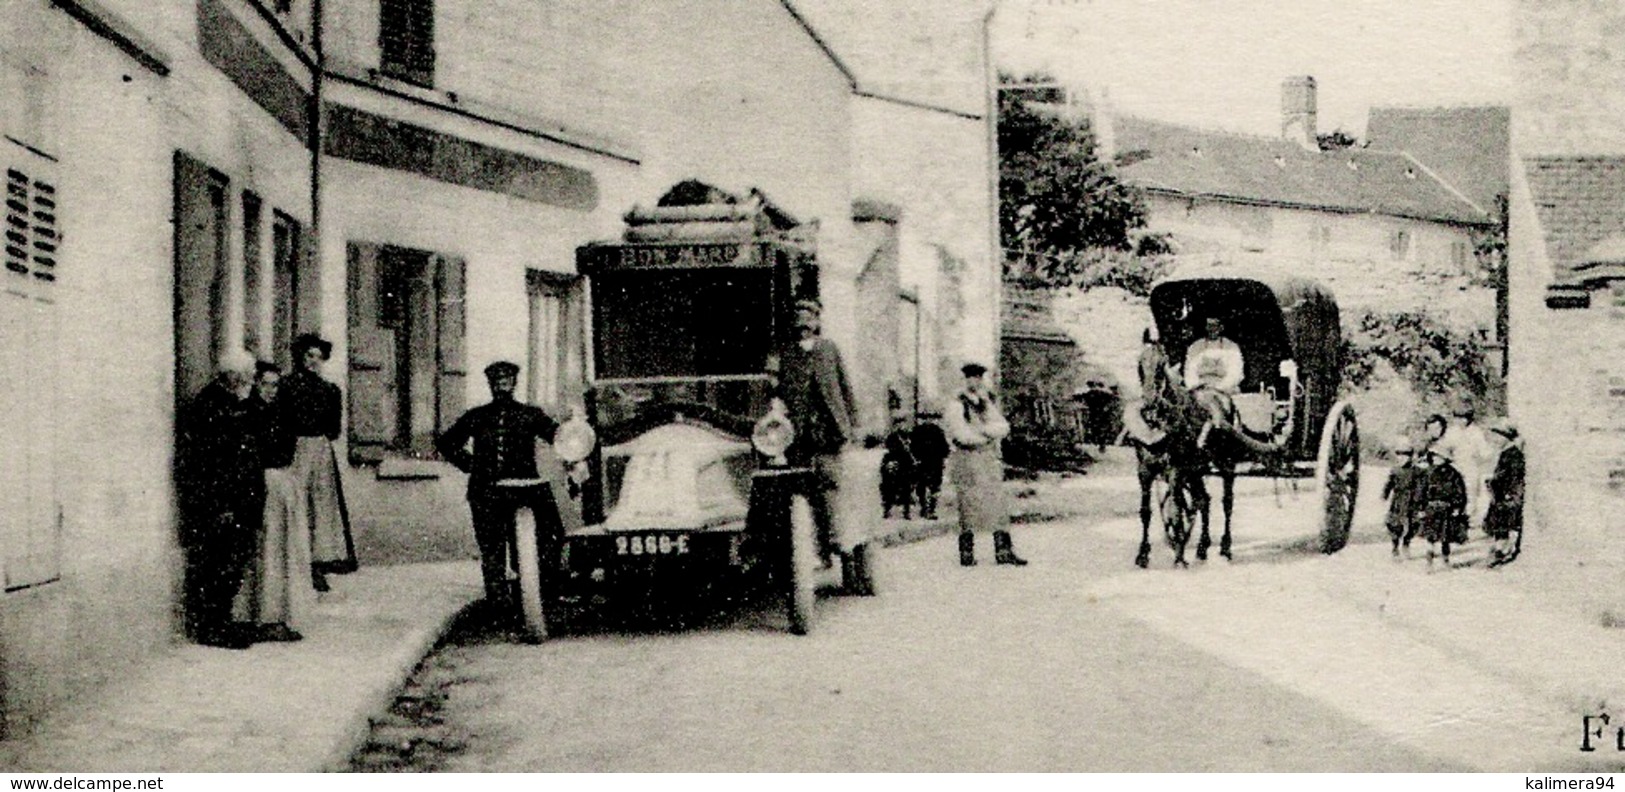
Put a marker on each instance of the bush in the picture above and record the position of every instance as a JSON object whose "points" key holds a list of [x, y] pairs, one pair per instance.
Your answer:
{"points": [[1445, 365]]}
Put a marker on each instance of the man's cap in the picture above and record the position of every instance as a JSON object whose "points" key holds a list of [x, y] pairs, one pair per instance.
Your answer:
{"points": [[501, 368], [809, 304], [973, 369], [311, 340]]}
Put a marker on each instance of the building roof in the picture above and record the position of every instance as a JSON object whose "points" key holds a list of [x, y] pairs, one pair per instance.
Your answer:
{"points": [[926, 53], [1201, 163], [1581, 203], [1468, 147]]}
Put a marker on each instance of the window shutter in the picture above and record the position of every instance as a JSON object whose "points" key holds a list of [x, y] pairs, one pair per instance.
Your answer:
{"points": [[373, 397], [30, 509], [450, 353]]}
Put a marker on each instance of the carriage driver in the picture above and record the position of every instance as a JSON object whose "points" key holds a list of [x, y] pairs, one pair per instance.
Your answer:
{"points": [[1213, 371]]}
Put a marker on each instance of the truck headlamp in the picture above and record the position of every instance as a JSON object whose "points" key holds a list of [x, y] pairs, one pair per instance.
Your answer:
{"points": [[773, 432], [575, 440]]}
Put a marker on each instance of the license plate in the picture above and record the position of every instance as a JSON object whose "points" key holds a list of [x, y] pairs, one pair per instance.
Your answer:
{"points": [[651, 544]]}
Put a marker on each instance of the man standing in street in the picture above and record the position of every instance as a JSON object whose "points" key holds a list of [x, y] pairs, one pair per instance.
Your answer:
{"points": [[818, 398], [976, 426], [504, 434], [222, 487]]}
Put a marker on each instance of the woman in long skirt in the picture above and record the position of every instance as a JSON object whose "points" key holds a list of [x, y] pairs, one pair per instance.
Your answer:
{"points": [[277, 594], [976, 467], [312, 411]]}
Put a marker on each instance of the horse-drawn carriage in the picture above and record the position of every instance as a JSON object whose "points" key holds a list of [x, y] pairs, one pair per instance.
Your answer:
{"points": [[1285, 421], [688, 489]]}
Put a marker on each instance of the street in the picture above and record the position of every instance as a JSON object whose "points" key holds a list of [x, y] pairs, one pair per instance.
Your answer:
{"points": [[1070, 664]]}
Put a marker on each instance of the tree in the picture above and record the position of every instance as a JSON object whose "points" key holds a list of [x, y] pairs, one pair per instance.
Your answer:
{"points": [[1057, 199]]}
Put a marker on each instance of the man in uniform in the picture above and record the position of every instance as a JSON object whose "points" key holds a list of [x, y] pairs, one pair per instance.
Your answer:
{"points": [[504, 434], [818, 398]]}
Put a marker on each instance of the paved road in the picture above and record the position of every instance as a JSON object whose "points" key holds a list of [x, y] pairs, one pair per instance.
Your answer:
{"points": [[982, 669]]}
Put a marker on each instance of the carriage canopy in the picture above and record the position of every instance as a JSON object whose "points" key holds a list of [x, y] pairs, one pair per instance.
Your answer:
{"points": [[1272, 320]]}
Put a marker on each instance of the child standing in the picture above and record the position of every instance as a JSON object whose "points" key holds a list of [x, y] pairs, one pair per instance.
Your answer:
{"points": [[897, 469], [1398, 491], [930, 445]]}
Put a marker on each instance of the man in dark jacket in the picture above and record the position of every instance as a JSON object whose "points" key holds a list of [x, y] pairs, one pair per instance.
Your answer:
{"points": [[222, 489], [818, 399], [504, 434]]}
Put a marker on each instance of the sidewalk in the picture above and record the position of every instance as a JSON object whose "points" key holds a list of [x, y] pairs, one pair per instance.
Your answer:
{"points": [[299, 707]]}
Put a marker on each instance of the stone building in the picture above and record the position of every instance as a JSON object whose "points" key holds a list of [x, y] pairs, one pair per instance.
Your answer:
{"points": [[411, 179], [1567, 233], [1392, 224]]}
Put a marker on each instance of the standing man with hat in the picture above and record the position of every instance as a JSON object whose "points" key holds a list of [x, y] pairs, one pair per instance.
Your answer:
{"points": [[818, 398], [976, 426], [504, 434], [312, 411]]}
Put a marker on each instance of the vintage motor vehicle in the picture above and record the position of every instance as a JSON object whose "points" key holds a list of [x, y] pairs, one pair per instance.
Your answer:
{"points": [[1293, 425], [688, 488]]}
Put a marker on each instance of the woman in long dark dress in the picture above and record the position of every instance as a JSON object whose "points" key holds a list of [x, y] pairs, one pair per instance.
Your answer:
{"points": [[312, 411]]}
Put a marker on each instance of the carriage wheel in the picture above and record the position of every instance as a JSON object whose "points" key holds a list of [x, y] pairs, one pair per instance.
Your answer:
{"points": [[532, 609], [1338, 471], [803, 552]]}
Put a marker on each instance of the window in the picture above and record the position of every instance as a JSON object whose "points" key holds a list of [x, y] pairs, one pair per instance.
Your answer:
{"points": [[30, 512], [253, 277], [908, 350], [407, 367], [406, 40], [1399, 244], [556, 373], [294, 285]]}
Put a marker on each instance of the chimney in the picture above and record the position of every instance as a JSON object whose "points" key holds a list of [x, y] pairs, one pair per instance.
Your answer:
{"points": [[1298, 111]]}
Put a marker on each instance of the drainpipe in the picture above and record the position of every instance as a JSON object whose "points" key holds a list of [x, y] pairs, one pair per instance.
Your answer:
{"points": [[317, 24], [995, 286]]}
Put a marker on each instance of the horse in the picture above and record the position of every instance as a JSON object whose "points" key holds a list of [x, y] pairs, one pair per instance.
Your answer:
{"points": [[1190, 446]]}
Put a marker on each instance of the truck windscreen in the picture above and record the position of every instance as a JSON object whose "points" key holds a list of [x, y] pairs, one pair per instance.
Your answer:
{"points": [[682, 322]]}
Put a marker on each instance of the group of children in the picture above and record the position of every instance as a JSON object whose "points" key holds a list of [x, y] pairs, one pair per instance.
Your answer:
{"points": [[1439, 488], [911, 470]]}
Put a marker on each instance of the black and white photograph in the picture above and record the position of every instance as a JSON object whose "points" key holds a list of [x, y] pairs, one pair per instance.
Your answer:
{"points": [[812, 386]]}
